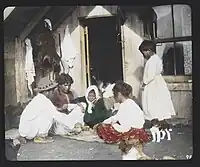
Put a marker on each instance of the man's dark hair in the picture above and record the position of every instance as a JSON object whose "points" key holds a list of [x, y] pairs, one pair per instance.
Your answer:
{"points": [[64, 78], [147, 45]]}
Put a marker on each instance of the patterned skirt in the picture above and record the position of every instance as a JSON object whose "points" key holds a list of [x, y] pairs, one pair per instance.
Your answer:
{"points": [[110, 135]]}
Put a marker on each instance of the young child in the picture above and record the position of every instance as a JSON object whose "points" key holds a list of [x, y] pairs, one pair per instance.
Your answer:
{"points": [[96, 111], [126, 127], [156, 98]]}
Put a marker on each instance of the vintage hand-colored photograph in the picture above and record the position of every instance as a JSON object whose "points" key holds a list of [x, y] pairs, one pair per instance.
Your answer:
{"points": [[102, 82]]}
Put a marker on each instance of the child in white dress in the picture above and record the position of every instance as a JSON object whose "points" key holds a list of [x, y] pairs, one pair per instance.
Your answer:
{"points": [[126, 127], [156, 98]]}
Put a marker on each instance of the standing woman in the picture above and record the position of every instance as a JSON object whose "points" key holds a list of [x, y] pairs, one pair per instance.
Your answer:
{"points": [[127, 124], [156, 98]]}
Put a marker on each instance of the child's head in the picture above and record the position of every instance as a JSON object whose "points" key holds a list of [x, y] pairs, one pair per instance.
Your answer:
{"points": [[91, 95], [122, 91], [147, 48]]}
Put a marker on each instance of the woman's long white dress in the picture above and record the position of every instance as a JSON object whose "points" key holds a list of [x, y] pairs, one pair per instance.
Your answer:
{"points": [[156, 98]]}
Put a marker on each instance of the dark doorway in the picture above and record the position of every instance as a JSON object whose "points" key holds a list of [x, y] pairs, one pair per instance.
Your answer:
{"points": [[104, 49]]}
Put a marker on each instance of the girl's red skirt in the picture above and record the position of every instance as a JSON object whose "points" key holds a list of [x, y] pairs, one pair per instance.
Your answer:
{"points": [[110, 135]]}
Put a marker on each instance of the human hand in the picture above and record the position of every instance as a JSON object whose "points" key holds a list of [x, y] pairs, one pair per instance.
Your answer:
{"points": [[82, 107], [65, 106], [95, 128], [114, 112], [61, 108], [64, 109], [142, 86]]}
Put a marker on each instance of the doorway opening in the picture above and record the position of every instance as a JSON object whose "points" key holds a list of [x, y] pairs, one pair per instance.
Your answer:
{"points": [[103, 50]]}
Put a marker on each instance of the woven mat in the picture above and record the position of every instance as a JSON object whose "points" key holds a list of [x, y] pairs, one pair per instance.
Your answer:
{"points": [[85, 136]]}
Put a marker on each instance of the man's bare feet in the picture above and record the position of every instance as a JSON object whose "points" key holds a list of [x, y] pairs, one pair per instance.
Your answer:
{"points": [[22, 140]]}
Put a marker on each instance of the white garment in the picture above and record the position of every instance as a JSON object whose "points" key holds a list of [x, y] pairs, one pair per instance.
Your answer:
{"points": [[156, 98], [48, 24], [38, 117], [90, 104], [75, 116], [129, 116], [108, 91], [29, 65], [69, 52]]}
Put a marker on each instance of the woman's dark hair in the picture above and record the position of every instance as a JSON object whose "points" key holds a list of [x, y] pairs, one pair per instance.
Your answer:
{"points": [[64, 78], [147, 45], [122, 87]]}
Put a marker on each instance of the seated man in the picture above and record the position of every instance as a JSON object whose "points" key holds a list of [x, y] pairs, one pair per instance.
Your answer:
{"points": [[39, 115], [62, 98], [96, 111], [62, 94]]}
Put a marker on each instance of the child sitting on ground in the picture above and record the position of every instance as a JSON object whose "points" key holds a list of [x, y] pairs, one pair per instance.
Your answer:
{"points": [[96, 111]]}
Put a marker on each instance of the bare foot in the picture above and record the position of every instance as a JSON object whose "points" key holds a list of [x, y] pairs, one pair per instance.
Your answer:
{"points": [[22, 140]]}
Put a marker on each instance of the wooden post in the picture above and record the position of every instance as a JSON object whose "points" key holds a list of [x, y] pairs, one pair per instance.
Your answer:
{"points": [[21, 83], [83, 74], [9, 72]]}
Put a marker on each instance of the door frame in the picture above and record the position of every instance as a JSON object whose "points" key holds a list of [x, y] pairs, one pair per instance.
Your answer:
{"points": [[82, 21]]}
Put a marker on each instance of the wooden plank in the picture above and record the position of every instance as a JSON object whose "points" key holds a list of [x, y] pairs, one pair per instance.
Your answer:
{"points": [[133, 62], [87, 56], [180, 86], [33, 23], [182, 101], [83, 65], [123, 52], [177, 39], [177, 79], [175, 96], [21, 84]]}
